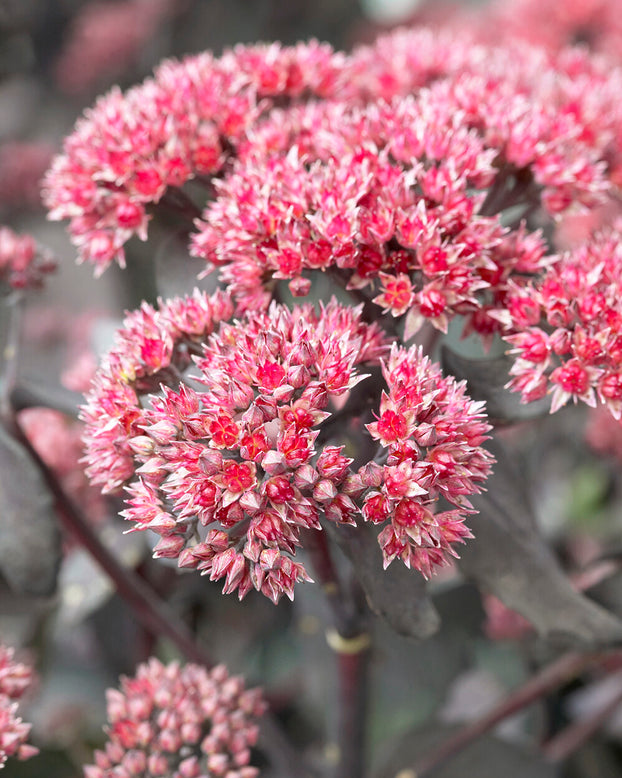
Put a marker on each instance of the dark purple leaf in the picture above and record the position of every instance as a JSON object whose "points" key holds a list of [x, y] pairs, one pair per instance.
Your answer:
{"points": [[509, 558], [29, 538], [396, 594]]}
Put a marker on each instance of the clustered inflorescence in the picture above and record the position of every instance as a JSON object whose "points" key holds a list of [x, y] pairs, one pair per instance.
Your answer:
{"points": [[427, 181], [570, 323], [234, 459], [15, 679], [179, 722]]}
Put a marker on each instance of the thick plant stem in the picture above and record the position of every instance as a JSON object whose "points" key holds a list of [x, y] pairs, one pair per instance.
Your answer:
{"points": [[551, 677], [350, 640], [154, 614], [352, 664], [177, 200]]}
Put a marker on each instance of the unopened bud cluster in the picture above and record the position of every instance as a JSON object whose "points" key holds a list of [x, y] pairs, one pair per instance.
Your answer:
{"points": [[179, 722]]}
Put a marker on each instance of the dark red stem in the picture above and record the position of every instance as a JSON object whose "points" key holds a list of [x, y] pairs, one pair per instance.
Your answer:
{"points": [[152, 612], [350, 640]]}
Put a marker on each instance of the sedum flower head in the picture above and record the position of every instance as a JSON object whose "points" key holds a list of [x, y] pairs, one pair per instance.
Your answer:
{"points": [[15, 679], [228, 471], [23, 264], [182, 123], [233, 458], [569, 328], [408, 201], [179, 722], [431, 435]]}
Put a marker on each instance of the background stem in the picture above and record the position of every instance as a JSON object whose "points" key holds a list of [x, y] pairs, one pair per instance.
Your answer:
{"points": [[570, 739], [552, 676]]}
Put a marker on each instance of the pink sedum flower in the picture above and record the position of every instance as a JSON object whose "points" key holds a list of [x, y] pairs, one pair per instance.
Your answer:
{"points": [[229, 475], [405, 202], [179, 722], [15, 680], [181, 124], [569, 328], [431, 433], [23, 264]]}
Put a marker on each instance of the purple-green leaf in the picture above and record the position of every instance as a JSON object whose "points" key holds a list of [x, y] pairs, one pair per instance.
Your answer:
{"points": [[30, 549], [509, 558], [396, 594]]}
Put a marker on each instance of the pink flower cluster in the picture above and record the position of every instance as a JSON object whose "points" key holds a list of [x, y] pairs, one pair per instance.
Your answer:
{"points": [[194, 116], [179, 722], [404, 200], [431, 433], [569, 328], [23, 264], [228, 460], [181, 124], [15, 679]]}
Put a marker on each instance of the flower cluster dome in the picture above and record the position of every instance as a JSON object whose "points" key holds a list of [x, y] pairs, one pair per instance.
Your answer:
{"points": [[568, 328], [229, 457], [179, 722]]}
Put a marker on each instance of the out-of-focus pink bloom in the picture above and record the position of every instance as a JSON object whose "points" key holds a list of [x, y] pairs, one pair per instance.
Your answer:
{"points": [[502, 623], [569, 328], [15, 679], [556, 23], [22, 165], [105, 38], [183, 722], [23, 264]]}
